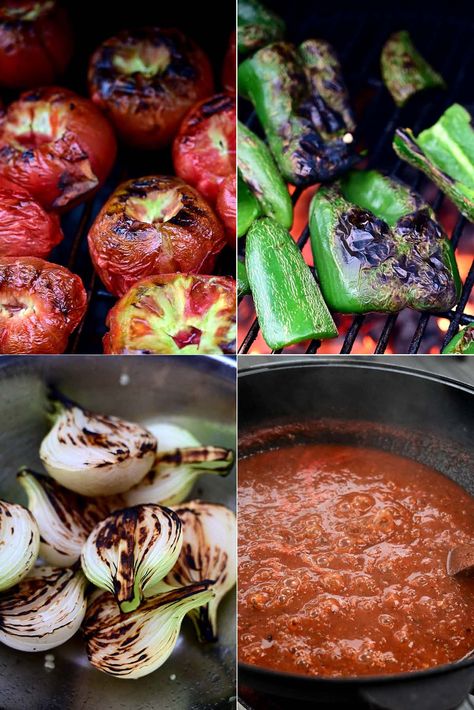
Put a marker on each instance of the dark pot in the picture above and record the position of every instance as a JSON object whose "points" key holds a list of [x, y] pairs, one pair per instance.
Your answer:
{"points": [[423, 416]]}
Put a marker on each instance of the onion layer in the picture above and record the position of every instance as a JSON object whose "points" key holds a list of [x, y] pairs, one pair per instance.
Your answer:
{"points": [[96, 455], [19, 543], [135, 644], [44, 610], [208, 552], [175, 472], [64, 518]]}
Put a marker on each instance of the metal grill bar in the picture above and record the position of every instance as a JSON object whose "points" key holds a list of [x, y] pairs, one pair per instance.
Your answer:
{"points": [[453, 63]]}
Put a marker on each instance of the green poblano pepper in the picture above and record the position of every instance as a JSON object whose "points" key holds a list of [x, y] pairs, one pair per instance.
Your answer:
{"points": [[248, 208], [404, 70], [445, 153], [462, 343], [287, 299], [303, 106], [258, 170], [377, 247], [257, 26]]}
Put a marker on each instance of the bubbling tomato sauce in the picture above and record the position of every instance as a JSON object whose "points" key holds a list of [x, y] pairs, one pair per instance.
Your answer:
{"points": [[342, 562]]}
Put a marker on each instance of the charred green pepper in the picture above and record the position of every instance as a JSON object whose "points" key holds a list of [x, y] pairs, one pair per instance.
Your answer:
{"points": [[248, 208], [287, 299], [462, 343], [302, 103], [261, 175], [445, 153], [243, 286], [377, 247], [257, 26], [404, 70]]}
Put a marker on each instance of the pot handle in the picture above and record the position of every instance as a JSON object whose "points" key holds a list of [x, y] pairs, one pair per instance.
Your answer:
{"points": [[428, 692]]}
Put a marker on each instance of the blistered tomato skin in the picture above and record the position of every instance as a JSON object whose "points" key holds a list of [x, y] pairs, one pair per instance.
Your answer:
{"points": [[226, 207], [146, 80], [40, 305], [26, 229], [174, 314], [36, 42], [153, 225], [204, 149], [57, 145], [229, 80]]}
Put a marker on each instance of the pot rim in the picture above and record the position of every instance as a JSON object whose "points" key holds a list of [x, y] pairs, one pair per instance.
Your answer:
{"points": [[364, 364]]}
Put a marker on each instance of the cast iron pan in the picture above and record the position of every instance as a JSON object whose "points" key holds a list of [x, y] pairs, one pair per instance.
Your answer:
{"points": [[425, 417], [197, 392]]}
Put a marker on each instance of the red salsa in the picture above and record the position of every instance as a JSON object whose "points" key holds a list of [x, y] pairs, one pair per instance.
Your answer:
{"points": [[342, 562]]}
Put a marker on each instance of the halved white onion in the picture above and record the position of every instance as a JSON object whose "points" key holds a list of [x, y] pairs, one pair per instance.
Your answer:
{"points": [[94, 454], [130, 552], [135, 644], [65, 519], [19, 543], [175, 472], [208, 552], [44, 610]]}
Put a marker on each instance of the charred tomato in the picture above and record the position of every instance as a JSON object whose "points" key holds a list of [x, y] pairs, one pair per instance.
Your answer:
{"points": [[57, 145], [229, 81], [174, 314], [26, 229], [35, 42], [226, 207], [40, 305], [153, 225], [204, 148], [146, 81]]}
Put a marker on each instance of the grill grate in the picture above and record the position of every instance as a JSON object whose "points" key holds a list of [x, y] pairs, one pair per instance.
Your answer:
{"points": [[439, 39], [73, 250]]}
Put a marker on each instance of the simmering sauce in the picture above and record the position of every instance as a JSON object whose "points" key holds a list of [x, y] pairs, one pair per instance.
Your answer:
{"points": [[342, 562]]}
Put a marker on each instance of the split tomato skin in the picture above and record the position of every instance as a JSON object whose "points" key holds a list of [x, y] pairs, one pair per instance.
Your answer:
{"points": [[36, 42], [26, 229], [146, 80], [204, 148], [57, 145], [174, 314], [226, 207], [40, 305], [153, 225], [229, 79]]}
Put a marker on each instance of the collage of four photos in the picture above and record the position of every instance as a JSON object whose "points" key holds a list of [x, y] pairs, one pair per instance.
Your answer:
{"points": [[236, 329]]}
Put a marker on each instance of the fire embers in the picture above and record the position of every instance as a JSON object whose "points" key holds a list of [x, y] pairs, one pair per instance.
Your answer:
{"points": [[366, 262]]}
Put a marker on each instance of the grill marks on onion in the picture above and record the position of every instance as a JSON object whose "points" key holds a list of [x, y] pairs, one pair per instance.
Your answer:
{"points": [[208, 552], [44, 610], [19, 543], [175, 471], [96, 455], [138, 643], [130, 552], [65, 519]]}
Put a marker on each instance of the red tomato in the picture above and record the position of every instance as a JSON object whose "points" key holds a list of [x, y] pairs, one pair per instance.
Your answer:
{"points": [[227, 207], [146, 80], [40, 305], [57, 145], [229, 67], [25, 228], [153, 225], [180, 314], [204, 149], [36, 42]]}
